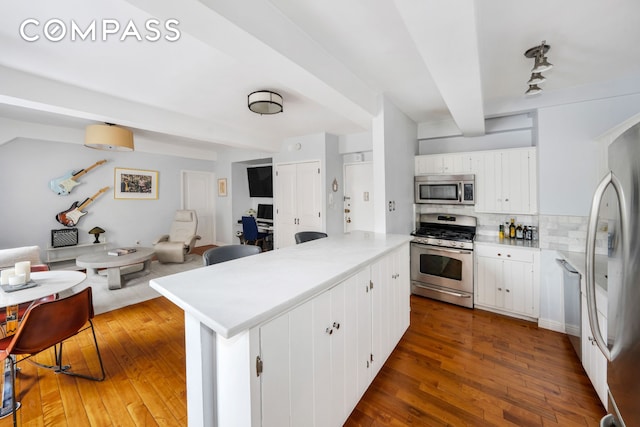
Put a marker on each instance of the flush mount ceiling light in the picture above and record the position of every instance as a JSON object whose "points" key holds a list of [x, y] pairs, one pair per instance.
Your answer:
{"points": [[540, 64], [108, 137], [265, 102]]}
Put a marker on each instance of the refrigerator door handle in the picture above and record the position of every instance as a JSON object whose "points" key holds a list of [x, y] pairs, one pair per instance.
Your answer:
{"points": [[610, 178]]}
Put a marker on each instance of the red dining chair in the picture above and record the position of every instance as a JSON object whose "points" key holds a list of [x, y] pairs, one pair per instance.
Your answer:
{"points": [[47, 325]]}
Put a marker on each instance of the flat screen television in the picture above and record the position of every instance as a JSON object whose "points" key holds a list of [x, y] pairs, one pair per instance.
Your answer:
{"points": [[260, 181]]}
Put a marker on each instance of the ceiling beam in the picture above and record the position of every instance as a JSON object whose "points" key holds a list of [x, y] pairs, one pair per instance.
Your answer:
{"points": [[444, 33]]}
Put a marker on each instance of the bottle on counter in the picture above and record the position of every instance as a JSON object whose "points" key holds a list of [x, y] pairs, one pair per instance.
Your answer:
{"points": [[501, 232], [519, 232], [534, 232], [512, 229], [527, 233]]}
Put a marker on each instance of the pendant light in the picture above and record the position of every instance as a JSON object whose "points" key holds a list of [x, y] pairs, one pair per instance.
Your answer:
{"points": [[108, 137]]}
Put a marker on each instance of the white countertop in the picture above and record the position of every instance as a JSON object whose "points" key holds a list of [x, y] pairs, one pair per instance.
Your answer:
{"points": [[578, 261], [237, 295]]}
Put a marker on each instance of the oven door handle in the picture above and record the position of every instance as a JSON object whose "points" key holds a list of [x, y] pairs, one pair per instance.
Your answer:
{"points": [[442, 291], [452, 251]]}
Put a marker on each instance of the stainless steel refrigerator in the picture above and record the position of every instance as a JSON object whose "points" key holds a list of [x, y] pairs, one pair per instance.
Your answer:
{"points": [[622, 211]]}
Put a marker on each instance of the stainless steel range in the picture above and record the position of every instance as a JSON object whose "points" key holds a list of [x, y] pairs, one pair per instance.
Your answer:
{"points": [[442, 258]]}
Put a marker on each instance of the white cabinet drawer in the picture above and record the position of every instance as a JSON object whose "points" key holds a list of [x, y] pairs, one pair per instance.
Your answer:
{"points": [[506, 253]]}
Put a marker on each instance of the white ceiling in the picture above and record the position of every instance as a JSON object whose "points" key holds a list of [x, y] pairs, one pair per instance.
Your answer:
{"points": [[331, 60]]}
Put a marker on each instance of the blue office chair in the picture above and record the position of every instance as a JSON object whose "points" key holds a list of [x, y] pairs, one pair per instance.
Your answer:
{"points": [[250, 232], [227, 253]]}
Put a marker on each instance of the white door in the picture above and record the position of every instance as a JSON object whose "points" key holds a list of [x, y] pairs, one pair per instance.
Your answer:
{"points": [[308, 188], [358, 193], [197, 194]]}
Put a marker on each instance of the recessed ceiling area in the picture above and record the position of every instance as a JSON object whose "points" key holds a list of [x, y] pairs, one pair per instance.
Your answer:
{"points": [[331, 61]]}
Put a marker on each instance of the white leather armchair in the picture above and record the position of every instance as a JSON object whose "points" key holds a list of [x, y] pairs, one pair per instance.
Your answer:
{"points": [[173, 247]]}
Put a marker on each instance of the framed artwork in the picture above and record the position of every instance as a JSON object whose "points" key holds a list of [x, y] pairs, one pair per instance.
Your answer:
{"points": [[135, 184], [222, 187]]}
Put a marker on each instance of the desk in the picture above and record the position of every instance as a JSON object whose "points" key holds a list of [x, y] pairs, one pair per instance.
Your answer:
{"points": [[92, 262], [49, 283]]}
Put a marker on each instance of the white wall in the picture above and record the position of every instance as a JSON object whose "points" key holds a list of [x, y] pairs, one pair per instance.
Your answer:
{"points": [[29, 206], [568, 156], [394, 148]]}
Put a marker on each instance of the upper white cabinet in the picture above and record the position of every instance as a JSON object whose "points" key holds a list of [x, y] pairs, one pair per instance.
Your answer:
{"points": [[506, 181], [298, 201], [444, 163]]}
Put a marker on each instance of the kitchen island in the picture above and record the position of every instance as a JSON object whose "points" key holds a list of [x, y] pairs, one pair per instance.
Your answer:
{"points": [[291, 335]]}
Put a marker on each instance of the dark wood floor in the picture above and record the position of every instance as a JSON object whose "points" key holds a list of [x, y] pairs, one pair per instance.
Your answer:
{"points": [[453, 367], [462, 367]]}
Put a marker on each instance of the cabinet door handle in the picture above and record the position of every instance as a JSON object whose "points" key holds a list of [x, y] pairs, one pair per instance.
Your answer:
{"points": [[336, 325], [499, 289], [499, 254], [329, 331], [507, 290]]}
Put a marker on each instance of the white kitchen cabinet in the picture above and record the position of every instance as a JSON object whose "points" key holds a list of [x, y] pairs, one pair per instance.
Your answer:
{"points": [[506, 181], [593, 361], [298, 201], [319, 358], [456, 163], [507, 280]]}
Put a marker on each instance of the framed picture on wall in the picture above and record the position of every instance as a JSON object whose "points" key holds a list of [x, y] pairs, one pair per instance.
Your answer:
{"points": [[222, 187], [135, 184]]}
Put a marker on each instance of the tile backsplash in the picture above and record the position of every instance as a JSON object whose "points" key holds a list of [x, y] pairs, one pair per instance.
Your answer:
{"points": [[557, 232]]}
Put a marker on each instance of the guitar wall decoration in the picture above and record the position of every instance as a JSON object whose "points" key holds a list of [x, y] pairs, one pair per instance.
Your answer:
{"points": [[71, 216], [63, 185]]}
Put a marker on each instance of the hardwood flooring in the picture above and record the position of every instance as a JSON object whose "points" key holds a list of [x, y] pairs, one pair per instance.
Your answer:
{"points": [[454, 367]]}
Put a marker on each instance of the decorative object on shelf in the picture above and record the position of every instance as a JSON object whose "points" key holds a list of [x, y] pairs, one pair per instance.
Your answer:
{"points": [[334, 185], [121, 251], [96, 231], [222, 187], [251, 212], [265, 102], [135, 184], [541, 64], [71, 216], [63, 185], [64, 237], [108, 137]]}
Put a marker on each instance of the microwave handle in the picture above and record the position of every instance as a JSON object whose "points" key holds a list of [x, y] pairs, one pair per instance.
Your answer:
{"points": [[460, 192]]}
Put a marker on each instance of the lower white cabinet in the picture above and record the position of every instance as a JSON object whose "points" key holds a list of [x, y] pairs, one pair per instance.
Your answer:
{"points": [[593, 361], [507, 280], [319, 358]]}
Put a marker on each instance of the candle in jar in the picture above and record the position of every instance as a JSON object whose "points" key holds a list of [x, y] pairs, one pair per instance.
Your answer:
{"points": [[24, 267], [5, 274]]}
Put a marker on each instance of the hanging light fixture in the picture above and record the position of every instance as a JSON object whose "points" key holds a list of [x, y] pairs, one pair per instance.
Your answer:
{"points": [[108, 137], [537, 53], [265, 102]]}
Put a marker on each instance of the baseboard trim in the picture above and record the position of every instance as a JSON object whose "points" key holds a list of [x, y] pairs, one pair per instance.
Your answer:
{"points": [[551, 325]]}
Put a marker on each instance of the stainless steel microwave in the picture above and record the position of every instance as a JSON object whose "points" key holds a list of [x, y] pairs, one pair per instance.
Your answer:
{"points": [[445, 189]]}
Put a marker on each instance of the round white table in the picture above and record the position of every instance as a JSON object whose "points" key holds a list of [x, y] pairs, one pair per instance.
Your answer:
{"points": [[49, 283], [93, 262]]}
